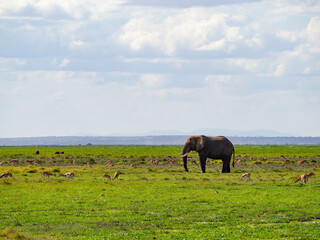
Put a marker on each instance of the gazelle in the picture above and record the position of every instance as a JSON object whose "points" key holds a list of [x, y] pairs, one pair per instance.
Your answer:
{"points": [[14, 161], [69, 175], [6, 174], [195, 163], [116, 175], [171, 162], [106, 176], [47, 174], [133, 165], [245, 175], [37, 162], [238, 162], [302, 162], [89, 165], [29, 161], [305, 177]]}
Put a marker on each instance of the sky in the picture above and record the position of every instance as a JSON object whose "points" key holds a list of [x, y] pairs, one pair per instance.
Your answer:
{"points": [[127, 67]]}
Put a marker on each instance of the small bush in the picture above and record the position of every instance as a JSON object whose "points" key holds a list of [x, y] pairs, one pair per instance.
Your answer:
{"points": [[29, 169], [258, 162], [56, 169], [10, 233]]}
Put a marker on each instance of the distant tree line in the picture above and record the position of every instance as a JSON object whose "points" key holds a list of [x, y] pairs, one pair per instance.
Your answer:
{"points": [[151, 140]]}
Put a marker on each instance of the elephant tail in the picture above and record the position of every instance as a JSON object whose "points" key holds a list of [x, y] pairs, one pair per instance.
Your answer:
{"points": [[233, 157]]}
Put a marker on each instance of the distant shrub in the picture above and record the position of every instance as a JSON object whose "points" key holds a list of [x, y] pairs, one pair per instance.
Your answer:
{"points": [[257, 162], [92, 161], [288, 169], [10, 233], [56, 169], [29, 169]]}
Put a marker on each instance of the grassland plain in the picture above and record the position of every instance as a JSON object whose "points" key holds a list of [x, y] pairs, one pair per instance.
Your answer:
{"points": [[159, 201]]}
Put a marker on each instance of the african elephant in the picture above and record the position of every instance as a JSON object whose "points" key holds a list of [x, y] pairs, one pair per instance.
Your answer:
{"points": [[209, 147]]}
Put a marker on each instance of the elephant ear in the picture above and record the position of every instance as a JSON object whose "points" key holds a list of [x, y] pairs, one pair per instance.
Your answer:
{"points": [[200, 143]]}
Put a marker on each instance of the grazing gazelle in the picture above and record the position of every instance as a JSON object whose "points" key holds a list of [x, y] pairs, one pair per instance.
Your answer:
{"points": [[47, 174], [133, 165], [29, 161], [171, 162], [69, 175], [245, 175], [6, 174], [195, 163], [37, 162], [14, 161], [238, 162], [106, 176], [302, 162], [116, 175], [305, 177]]}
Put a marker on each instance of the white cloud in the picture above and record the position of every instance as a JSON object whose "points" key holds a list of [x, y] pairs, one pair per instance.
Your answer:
{"points": [[92, 65], [313, 30], [249, 65], [193, 29], [280, 70], [217, 45], [288, 36], [95, 9], [64, 63], [152, 80]]}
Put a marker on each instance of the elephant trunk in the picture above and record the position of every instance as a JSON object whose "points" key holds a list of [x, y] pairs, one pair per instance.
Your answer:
{"points": [[185, 152], [233, 152]]}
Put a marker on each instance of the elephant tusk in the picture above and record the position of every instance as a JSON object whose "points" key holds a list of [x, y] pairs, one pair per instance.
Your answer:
{"points": [[184, 155]]}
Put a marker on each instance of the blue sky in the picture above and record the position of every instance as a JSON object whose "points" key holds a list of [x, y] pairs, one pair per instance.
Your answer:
{"points": [[105, 67]]}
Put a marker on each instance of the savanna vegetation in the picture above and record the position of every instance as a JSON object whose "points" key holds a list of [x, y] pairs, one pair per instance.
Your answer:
{"points": [[158, 201]]}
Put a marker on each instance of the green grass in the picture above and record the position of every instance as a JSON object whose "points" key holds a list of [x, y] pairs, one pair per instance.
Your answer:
{"points": [[161, 202]]}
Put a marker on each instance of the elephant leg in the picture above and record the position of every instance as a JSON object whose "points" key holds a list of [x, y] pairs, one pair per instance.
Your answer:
{"points": [[226, 165], [203, 160]]}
